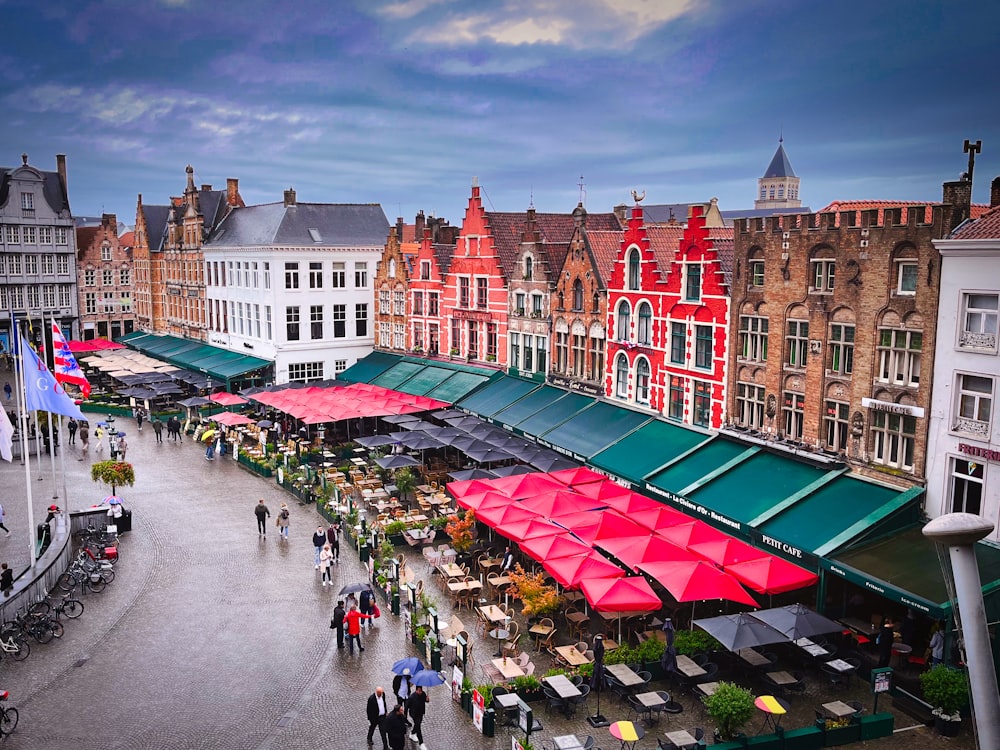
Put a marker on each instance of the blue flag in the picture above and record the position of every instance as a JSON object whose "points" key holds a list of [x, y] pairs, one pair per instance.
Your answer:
{"points": [[41, 390]]}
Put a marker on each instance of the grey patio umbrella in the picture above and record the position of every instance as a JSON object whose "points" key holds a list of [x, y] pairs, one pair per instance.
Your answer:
{"points": [[553, 462], [374, 441], [396, 462], [419, 441], [487, 455], [465, 423], [443, 433], [512, 470], [194, 401], [448, 414], [487, 432], [507, 441], [417, 424], [465, 474], [401, 418], [467, 442], [797, 621], [740, 631]]}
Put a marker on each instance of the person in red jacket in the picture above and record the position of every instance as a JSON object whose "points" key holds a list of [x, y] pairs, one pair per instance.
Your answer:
{"points": [[353, 619]]}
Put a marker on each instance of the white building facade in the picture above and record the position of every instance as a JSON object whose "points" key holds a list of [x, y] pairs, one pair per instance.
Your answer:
{"points": [[293, 283], [963, 453]]}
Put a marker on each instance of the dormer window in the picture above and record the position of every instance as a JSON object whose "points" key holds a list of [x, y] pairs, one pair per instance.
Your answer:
{"points": [[529, 268], [692, 282], [633, 270], [578, 295]]}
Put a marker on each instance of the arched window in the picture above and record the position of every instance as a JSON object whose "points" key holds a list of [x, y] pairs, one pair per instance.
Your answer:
{"points": [[633, 269], [578, 295], [645, 323], [595, 303], [529, 269], [622, 326], [621, 376], [642, 381]]}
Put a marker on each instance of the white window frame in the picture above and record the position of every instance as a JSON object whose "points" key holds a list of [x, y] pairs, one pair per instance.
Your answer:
{"points": [[841, 348], [750, 405], [823, 273], [643, 375], [978, 325], [893, 445], [973, 409], [903, 267], [899, 365], [970, 473], [621, 376]]}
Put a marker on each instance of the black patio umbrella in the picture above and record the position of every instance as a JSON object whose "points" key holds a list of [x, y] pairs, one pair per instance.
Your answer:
{"points": [[448, 413], [487, 455], [251, 391], [797, 621], [467, 442], [353, 588], [669, 659], [194, 401], [398, 461], [507, 441], [420, 441], [400, 418], [465, 474], [512, 470], [740, 631], [417, 424], [527, 451], [443, 433], [552, 461], [265, 423], [597, 682], [465, 423], [486, 432], [375, 441]]}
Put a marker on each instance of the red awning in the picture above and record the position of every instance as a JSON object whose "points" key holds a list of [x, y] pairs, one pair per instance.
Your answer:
{"points": [[229, 419], [578, 475], [633, 550], [554, 547], [631, 503], [620, 595], [557, 503], [469, 487], [602, 490], [569, 571], [521, 486], [499, 516], [520, 531], [727, 551], [483, 500], [772, 575], [659, 518], [697, 581], [609, 525], [686, 534]]}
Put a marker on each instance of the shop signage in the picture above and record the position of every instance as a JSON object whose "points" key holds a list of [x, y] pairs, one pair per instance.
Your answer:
{"points": [[706, 514], [575, 385], [974, 450], [883, 589], [471, 314], [892, 408], [789, 551]]}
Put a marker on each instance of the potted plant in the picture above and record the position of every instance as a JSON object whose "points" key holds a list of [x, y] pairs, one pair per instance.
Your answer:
{"points": [[537, 597], [114, 473], [405, 481], [528, 687], [466, 696], [487, 692], [730, 707], [459, 528], [947, 689], [394, 531]]}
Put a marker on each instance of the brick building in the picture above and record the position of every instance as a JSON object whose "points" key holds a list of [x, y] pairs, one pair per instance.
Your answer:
{"points": [[392, 296], [104, 269], [430, 270], [169, 262], [834, 319]]}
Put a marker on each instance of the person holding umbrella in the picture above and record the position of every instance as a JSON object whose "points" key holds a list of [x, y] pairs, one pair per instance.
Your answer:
{"points": [[401, 688]]}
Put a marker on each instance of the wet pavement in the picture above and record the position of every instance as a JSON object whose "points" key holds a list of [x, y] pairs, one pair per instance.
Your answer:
{"points": [[214, 637]]}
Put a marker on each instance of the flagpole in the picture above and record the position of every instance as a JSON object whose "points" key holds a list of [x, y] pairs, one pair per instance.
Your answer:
{"points": [[15, 349], [27, 457], [52, 454], [38, 446], [62, 468]]}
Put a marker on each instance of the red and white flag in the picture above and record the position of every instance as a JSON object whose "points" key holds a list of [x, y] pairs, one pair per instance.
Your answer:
{"points": [[66, 368]]}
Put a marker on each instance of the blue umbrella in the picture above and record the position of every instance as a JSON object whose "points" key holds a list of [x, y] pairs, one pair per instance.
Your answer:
{"points": [[113, 500], [121, 434], [427, 678], [410, 662], [102, 424]]}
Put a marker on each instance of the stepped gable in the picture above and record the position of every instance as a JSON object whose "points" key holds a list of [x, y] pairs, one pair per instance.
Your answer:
{"points": [[664, 241], [605, 246], [555, 230], [724, 243]]}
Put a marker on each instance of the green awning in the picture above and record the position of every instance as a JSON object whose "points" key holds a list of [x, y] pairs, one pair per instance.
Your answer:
{"points": [[696, 465], [531, 404], [555, 414], [397, 374], [367, 369], [594, 429], [221, 364], [651, 446], [457, 386], [420, 382], [495, 395], [838, 512], [750, 488]]}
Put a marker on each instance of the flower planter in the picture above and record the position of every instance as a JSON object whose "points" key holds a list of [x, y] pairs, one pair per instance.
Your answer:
{"points": [[530, 696], [947, 728], [841, 735]]}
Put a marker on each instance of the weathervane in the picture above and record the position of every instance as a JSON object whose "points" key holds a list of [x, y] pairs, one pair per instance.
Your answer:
{"points": [[637, 197]]}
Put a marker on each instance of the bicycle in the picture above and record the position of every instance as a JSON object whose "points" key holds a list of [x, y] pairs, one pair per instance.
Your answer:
{"points": [[92, 578], [8, 715], [16, 647]]}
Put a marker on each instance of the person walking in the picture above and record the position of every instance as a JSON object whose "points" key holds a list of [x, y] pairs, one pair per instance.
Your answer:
{"points": [[366, 603], [325, 562], [6, 579], [353, 619], [935, 650], [84, 440], [99, 439], [395, 729], [122, 447], [417, 707], [282, 521], [210, 449], [319, 541], [378, 711], [158, 429], [140, 414], [263, 513], [884, 642], [3, 517], [337, 623], [333, 537], [7, 391], [113, 445], [71, 427], [401, 688]]}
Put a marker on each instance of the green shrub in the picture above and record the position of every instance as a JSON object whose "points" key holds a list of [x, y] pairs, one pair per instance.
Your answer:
{"points": [[689, 642], [487, 692], [946, 689], [730, 707], [527, 682], [650, 650], [554, 671], [622, 655]]}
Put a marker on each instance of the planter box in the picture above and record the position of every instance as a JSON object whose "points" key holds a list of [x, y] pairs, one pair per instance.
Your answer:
{"points": [[877, 725], [396, 539], [530, 696], [841, 735], [804, 738]]}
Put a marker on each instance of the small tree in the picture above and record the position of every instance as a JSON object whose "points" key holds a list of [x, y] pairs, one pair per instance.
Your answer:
{"points": [[945, 688], [115, 473], [459, 528], [405, 481], [537, 597], [730, 707]]}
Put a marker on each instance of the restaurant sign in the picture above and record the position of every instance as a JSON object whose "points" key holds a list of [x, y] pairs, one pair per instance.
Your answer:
{"points": [[698, 510], [796, 554], [880, 587], [590, 389], [893, 408], [975, 450], [560, 449]]}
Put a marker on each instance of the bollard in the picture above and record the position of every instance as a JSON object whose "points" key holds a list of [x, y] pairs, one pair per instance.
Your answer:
{"points": [[395, 602]]}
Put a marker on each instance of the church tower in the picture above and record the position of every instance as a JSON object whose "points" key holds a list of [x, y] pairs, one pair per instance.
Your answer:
{"points": [[779, 187]]}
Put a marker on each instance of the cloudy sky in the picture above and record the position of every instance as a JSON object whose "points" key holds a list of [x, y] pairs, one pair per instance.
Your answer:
{"points": [[405, 102]]}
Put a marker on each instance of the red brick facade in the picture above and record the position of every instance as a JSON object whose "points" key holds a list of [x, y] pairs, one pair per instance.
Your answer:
{"points": [[392, 304], [105, 274]]}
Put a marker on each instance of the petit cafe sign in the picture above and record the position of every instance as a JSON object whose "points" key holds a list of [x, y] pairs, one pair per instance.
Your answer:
{"points": [[893, 408]]}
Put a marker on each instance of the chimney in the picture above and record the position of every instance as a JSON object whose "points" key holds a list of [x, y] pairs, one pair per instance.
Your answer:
{"points": [[619, 211], [233, 192], [61, 169], [205, 188], [995, 192], [289, 197], [399, 228], [419, 222], [958, 195]]}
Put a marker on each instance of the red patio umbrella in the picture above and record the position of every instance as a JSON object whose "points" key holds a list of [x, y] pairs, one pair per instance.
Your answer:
{"points": [[569, 571], [500, 515], [557, 503], [608, 526], [620, 596], [526, 485], [553, 547], [631, 503], [532, 528], [726, 551], [578, 475], [603, 490], [659, 517], [483, 500], [697, 581], [469, 487], [580, 519], [771, 575], [693, 532], [632, 550]]}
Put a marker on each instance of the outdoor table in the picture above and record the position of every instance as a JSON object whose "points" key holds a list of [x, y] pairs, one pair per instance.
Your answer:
{"points": [[488, 565], [500, 634], [498, 582], [576, 620], [813, 649], [688, 667], [416, 519], [707, 688], [840, 665], [506, 700], [625, 675], [493, 613], [573, 657], [781, 678], [772, 707], [839, 709], [753, 658], [457, 586], [451, 570], [562, 686], [425, 489], [653, 635], [508, 668], [681, 739], [628, 733], [573, 596], [567, 742], [358, 461], [651, 701], [417, 534], [901, 651]]}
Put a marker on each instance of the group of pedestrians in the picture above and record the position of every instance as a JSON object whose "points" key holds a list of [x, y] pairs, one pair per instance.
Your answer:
{"points": [[392, 724], [326, 543]]}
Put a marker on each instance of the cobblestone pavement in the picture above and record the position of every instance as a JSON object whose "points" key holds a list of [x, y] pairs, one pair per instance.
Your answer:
{"points": [[213, 637]]}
